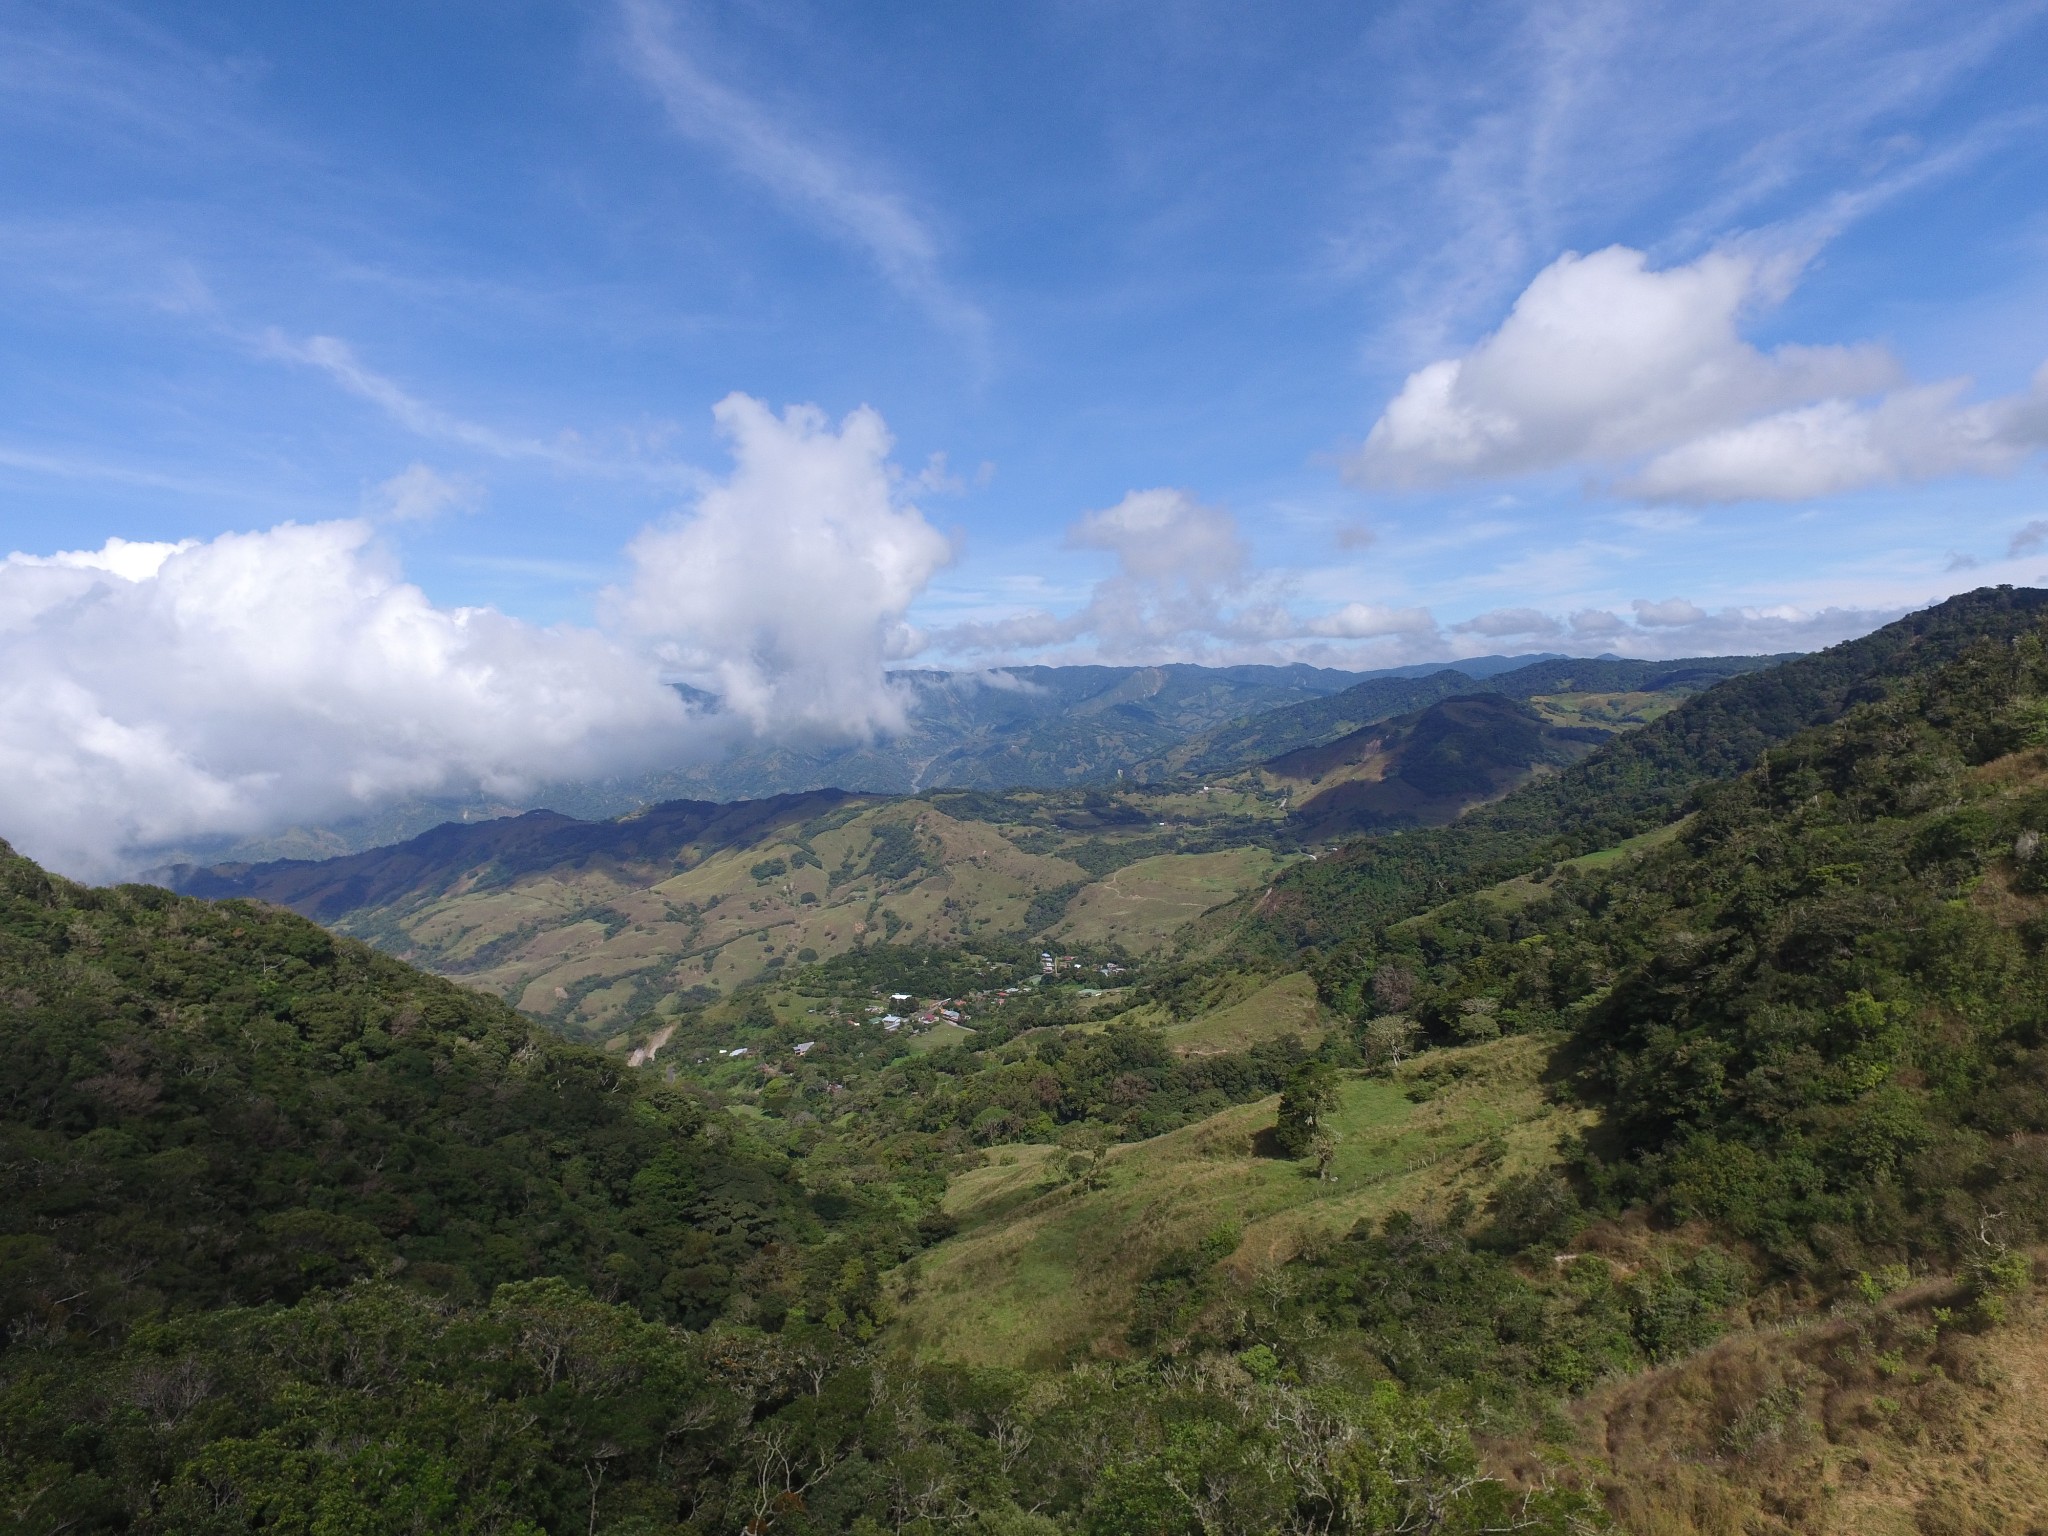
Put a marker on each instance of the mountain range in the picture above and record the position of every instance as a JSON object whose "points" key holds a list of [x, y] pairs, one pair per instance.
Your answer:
{"points": [[590, 923], [1020, 727]]}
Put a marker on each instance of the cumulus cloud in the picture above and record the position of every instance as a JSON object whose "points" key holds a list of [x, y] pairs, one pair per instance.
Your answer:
{"points": [[1605, 363], [1179, 564], [157, 694], [1183, 581], [1597, 621], [1838, 445], [785, 588], [153, 693]]}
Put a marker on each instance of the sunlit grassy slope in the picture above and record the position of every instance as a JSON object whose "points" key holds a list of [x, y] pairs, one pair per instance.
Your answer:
{"points": [[1143, 905], [591, 942], [1283, 1007], [1041, 1272], [1874, 1420]]}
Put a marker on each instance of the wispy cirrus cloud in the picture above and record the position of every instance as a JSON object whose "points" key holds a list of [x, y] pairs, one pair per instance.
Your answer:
{"points": [[337, 359], [1501, 146], [851, 203]]}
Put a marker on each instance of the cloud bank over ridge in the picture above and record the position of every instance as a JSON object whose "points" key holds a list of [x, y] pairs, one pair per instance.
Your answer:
{"points": [[159, 693]]}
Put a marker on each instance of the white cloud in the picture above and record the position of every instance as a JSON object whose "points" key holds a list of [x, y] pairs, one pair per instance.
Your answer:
{"points": [[1669, 614], [1167, 538], [1605, 363], [157, 693], [419, 493], [1503, 623], [337, 359], [849, 203], [1369, 621], [1597, 621], [1183, 583], [785, 589], [1675, 626], [1838, 445]]}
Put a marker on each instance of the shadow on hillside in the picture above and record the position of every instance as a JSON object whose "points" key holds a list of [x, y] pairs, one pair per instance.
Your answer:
{"points": [[1266, 1143]]}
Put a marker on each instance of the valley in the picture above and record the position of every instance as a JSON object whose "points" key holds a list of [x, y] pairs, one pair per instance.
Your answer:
{"points": [[593, 924], [1545, 1107]]}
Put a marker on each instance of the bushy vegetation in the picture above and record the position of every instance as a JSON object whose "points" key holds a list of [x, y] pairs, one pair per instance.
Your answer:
{"points": [[1816, 1017], [1636, 782], [377, 1409]]}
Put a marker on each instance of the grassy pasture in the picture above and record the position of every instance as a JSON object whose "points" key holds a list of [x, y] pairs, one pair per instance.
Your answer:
{"points": [[1284, 1007], [1143, 905], [1043, 1272], [1523, 889]]}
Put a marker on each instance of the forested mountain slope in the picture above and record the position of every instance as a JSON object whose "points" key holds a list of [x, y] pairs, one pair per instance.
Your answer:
{"points": [[206, 1104], [1425, 768], [1312, 722], [298, 1239], [1631, 785]]}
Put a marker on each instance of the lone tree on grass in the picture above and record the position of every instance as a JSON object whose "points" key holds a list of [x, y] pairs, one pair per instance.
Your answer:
{"points": [[1310, 1095]]}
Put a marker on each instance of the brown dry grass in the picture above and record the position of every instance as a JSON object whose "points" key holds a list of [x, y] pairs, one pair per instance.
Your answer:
{"points": [[1875, 1421]]}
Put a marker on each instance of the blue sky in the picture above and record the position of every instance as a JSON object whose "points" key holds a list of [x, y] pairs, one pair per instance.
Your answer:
{"points": [[1355, 334]]}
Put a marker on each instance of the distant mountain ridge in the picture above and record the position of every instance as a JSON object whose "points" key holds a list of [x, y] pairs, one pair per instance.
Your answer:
{"points": [[1312, 722], [1007, 728], [668, 837], [1636, 783], [1427, 767]]}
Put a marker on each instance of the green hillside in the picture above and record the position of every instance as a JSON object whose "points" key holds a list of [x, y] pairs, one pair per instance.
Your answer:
{"points": [[1294, 726], [1639, 781], [1662, 1147], [590, 924]]}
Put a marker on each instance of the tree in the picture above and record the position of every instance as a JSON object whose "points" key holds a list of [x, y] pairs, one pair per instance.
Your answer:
{"points": [[1388, 1039], [1310, 1095]]}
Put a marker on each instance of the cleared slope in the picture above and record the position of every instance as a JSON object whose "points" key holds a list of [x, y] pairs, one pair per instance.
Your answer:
{"points": [[1037, 1276], [591, 923]]}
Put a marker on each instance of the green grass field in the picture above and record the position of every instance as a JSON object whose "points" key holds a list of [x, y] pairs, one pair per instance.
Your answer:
{"points": [[1143, 905], [1284, 1007], [1042, 1273]]}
